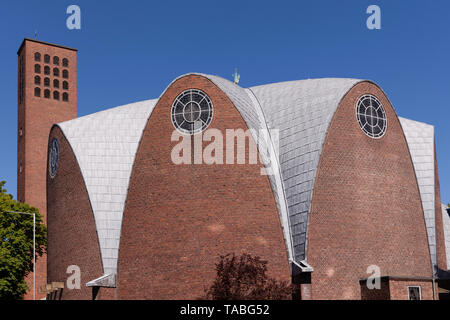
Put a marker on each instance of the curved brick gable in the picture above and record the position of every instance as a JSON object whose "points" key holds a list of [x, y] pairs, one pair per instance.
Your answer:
{"points": [[366, 207]]}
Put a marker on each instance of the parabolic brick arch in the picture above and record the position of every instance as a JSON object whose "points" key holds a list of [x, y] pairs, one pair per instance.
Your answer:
{"points": [[339, 199]]}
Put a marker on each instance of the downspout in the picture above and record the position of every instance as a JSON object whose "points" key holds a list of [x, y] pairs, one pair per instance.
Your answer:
{"points": [[434, 287]]}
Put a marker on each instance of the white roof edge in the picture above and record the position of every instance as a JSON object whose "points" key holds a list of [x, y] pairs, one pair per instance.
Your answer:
{"points": [[106, 280]]}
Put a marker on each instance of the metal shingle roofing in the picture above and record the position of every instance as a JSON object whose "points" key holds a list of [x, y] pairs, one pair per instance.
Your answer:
{"points": [[301, 111], [420, 138], [105, 145]]}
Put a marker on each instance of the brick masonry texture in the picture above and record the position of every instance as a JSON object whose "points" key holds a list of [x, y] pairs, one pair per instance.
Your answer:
{"points": [[383, 293], [366, 207], [72, 236], [35, 118], [399, 289], [179, 219]]}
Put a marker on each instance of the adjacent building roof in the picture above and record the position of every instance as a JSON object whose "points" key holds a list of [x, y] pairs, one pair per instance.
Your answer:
{"points": [[295, 117], [420, 138]]}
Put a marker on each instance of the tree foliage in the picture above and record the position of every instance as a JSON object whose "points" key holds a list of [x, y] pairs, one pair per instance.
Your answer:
{"points": [[16, 244], [245, 278]]}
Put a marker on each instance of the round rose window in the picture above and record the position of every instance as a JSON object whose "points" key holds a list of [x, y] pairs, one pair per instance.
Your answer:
{"points": [[192, 111], [371, 116], [53, 158]]}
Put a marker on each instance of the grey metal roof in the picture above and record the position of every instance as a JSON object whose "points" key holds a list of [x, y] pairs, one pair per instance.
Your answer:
{"points": [[446, 224], [301, 111], [105, 145], [420, 138]]}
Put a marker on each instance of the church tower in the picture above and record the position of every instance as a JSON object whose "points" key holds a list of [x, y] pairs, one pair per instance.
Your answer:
{"points": [[47, 94]]}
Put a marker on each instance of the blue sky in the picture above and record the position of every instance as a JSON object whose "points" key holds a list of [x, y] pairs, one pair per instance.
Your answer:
{"points": [[131, 50]]}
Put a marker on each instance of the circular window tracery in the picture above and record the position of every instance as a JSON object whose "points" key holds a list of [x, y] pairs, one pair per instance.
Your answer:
{"points": [[53, 158], [192, 111], [371, 116]]}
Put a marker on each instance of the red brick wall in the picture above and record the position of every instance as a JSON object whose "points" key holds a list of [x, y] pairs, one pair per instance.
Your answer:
{"points": [[179, 219], [366, 207], [35, 118], [383, 293], [72, 235], [440, 238], [399, 289]]}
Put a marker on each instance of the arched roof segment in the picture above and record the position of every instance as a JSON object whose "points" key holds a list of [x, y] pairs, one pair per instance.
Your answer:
{"points": [[105, 145], [301, 111], [420, 138]]}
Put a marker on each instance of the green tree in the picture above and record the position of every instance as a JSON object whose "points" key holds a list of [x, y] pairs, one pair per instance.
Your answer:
{"points": [[245, 278], [16, 245]]}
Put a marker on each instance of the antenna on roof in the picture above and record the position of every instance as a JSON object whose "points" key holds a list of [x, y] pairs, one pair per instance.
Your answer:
{"points": [[35, 34], [236, 76]]}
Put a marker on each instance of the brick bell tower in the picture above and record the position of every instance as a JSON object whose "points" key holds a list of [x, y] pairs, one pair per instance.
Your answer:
{"points": [[47, 94]]}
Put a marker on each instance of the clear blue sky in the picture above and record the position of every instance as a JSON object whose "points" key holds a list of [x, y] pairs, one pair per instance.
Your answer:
{"points": [[131, 50]]}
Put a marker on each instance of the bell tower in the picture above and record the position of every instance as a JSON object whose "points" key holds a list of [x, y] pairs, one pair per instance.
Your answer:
{"points": [[47, 94]]}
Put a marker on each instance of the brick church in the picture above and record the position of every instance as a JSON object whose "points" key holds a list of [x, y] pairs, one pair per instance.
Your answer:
{"points": [[352, 187]]}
